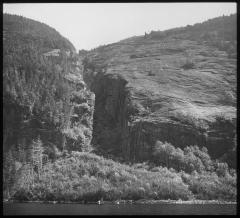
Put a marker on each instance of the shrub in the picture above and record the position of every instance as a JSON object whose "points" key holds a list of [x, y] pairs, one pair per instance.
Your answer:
{"points": [[190, 159], [209, 186], [86, 176], [188, 65], [150, 73]]}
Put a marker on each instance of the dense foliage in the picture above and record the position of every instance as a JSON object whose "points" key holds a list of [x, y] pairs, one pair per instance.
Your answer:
{"points": [[84, 176], [79, 176], [28, 75], [43, 97], [207, 178], [36, 94], [32, 32], [190, 159]]}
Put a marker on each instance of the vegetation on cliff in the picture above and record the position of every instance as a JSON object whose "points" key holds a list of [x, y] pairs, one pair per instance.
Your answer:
{"points": [[43, 93]]}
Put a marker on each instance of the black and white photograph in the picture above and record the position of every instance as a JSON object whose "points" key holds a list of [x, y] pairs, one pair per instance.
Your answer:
{"points": [[119, 108]]}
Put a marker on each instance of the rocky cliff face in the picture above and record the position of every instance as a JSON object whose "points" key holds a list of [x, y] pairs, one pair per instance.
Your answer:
{"points": [[177, 86], [44, 94]]}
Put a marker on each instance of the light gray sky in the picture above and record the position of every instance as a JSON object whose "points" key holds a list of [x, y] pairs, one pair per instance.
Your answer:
{"points": [[88, 25]]}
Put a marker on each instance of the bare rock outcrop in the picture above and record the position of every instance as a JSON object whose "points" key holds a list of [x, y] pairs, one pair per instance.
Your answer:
{"points": [[175, 87]]}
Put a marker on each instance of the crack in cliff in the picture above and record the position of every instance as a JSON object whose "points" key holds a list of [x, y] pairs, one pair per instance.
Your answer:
{"points": [[120, 127], [111, 111]]}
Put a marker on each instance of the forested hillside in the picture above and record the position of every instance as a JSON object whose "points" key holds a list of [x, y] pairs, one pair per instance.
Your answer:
{"points": [[31, 33], [149, 117], [44, 96]]}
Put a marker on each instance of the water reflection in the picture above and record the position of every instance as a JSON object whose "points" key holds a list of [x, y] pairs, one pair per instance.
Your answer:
{"points": [[117, 209]]}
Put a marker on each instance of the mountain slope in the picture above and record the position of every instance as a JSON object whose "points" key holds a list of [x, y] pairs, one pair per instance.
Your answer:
{"points": [[17, 28], [177, 86], [43, 91], [145, 89]]}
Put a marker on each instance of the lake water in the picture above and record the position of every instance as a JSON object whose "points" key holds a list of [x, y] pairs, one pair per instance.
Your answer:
{"points": [[121, 209]]}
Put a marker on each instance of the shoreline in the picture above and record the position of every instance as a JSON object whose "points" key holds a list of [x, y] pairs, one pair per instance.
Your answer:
{"points": [[142, 201]]}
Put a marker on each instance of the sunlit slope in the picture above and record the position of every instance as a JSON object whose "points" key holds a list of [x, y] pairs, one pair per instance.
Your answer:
{"points": [[177, 80], [160, 79]]}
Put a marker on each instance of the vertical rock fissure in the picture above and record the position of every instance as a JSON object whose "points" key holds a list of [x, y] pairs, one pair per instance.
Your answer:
{"points": [[110, 118]]}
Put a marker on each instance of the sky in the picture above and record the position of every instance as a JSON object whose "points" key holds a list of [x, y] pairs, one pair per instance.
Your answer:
{"points": [[89, 25]]}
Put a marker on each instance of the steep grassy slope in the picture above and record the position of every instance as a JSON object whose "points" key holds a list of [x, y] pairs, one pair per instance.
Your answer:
{"points": [[177, 86]]}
